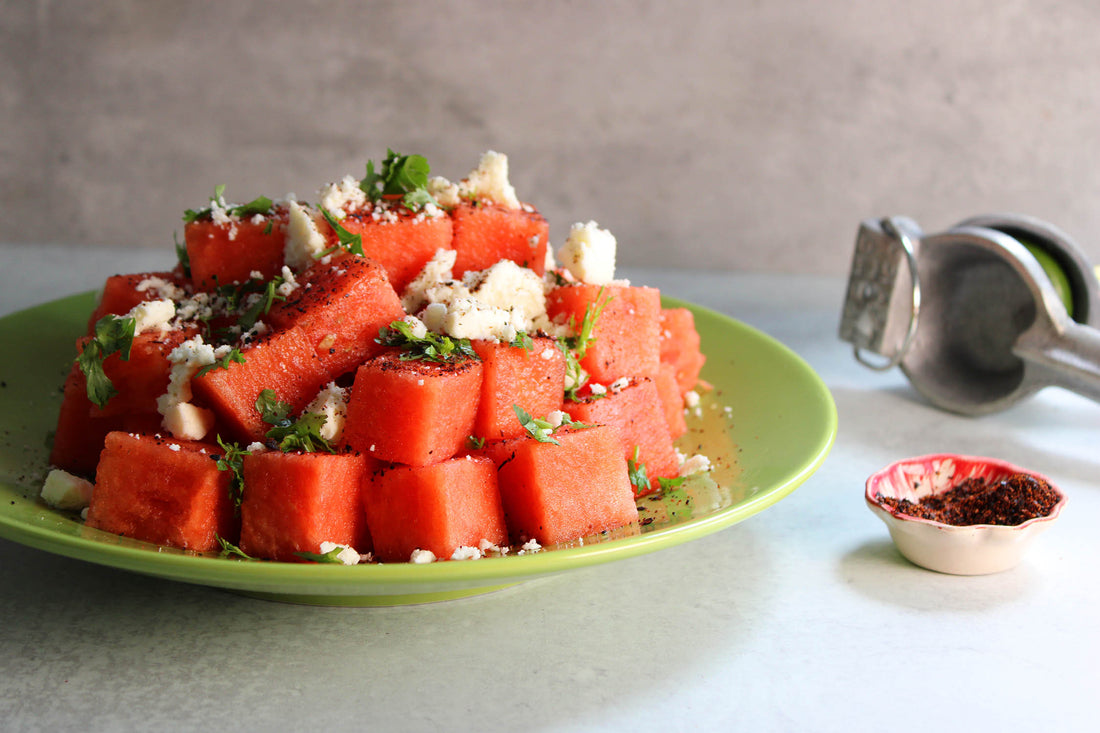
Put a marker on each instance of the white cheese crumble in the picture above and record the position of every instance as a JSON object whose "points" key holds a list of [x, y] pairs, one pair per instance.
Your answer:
{"points": [[416, 326], [163, 289], [304, 241], [289, 283], [256, 447], [555, 418], [444, 192], [181, 418], [342, 197], [347, 555], [152, 315], [436, 272], [529, 546], [332, 402], [422, 557], [619, 385], [466, 553], [589, 254], [489, 181], [187, 421], [697, 463], [63, 490]]}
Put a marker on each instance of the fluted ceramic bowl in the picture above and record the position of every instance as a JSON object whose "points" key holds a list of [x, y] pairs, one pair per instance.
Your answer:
{"points": [[976, 549]]}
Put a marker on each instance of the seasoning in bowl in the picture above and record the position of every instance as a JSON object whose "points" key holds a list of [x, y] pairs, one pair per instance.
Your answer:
{"points": [[962, 514], [1012, 500]]}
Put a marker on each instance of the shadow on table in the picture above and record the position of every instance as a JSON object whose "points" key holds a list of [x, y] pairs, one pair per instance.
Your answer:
{"points": [[552, 651]]}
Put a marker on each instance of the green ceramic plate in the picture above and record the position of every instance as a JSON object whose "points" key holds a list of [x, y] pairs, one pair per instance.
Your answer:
{"points": [[767, 425]]}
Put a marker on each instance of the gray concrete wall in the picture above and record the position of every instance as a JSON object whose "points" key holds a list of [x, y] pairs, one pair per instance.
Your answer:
{"points": [[739, 135]]}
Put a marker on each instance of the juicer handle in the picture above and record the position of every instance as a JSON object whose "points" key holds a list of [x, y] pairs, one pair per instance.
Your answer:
{"points": [[1069, 356]]}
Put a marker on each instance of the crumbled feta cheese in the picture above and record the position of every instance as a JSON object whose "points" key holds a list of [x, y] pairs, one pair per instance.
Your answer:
{"points": [[436, 272], [555, 418], [509, 286], [486, 547], [489, 181], [182, 419], [289, 283], [332, 402], [697, 463], [187, 421], [443, 191], [597, 388], [416, 326], [466, 553], [152, 315], [549, 353], [256, 447], [164, 289], [63, 490], [472, 319], [342, 197], [530, 546], [619, 384], [589, 254], [422, 557], [691, 398], [304, 241], [347, 555]]}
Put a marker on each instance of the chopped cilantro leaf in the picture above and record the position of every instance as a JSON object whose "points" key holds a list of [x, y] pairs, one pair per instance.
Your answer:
{"points": [[668, 484], [523, 340], [231, 550], [353, 243], [182, 255], [223, 363], [543, 430], [404, 176], [575, 347], [303, 434], [112, 334], [233, 461], [636, 470], [475, 443], [429, 347], [330, 557], [259, 205]]}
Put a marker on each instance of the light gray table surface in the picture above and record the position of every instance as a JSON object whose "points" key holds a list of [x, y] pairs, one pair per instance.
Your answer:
{"points": [[803, 617]]}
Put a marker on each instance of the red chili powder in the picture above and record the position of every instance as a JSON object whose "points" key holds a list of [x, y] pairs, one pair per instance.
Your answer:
{"points": [[1009, 502]]}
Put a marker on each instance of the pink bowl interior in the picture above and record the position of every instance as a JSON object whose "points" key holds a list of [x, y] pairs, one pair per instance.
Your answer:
{"points": [[915, 478]]}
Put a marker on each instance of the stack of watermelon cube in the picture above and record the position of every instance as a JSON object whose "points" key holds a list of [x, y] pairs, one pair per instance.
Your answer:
{"points": [[402, 368]]}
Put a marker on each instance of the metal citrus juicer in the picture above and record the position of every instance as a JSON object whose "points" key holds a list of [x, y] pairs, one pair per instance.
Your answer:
{"points": [[979, 316]]}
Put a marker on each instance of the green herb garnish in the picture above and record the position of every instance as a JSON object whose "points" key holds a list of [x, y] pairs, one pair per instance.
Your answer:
{"points": [[429, 347], [267, 292], [112, 334], [330, 557], [543, 430], [401, 175], [575, 347], [522, 340], [636, 470], [182, 255], [475, 443], [303, 434], [231, 550], [233, 356], [233, 460], [258, 205], [353, 243]]}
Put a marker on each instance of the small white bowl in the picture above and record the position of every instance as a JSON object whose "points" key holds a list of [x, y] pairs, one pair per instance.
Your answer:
{"points": [[976, 549]]}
